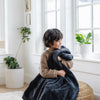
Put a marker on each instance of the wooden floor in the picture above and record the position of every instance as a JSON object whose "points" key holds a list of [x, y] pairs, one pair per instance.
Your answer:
{"points": [[3, 89]]}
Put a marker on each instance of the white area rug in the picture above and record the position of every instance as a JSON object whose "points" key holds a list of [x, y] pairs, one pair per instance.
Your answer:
{"points": [[11, 95]]}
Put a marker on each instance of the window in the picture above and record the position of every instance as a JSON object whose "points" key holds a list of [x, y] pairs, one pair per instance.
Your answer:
{"points": [[57, 14], [51, 17], [2, 32], [52, 14], [88, 20]]}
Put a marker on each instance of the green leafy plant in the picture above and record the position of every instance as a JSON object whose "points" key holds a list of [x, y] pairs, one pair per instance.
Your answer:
{"points": [[12, 61], [25, 32], [84, 39]]}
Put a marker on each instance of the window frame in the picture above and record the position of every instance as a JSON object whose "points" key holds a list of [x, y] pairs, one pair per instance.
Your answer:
{"points": [[76, 22], [62, 26], [49, 11]]}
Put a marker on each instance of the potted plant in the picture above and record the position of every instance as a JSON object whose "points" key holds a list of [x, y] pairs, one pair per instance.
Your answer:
{"points": [[15, 73], [85, 44]]}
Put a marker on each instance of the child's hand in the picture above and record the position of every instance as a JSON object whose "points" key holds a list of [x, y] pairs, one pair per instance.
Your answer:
{"points": [[59, 58], [61, 73]]}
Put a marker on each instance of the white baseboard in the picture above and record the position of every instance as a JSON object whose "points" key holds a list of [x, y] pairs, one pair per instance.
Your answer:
{"points": [[96, 96]]}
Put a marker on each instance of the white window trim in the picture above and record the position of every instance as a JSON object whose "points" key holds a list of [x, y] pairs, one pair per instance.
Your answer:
{"points": [[87, 60]]}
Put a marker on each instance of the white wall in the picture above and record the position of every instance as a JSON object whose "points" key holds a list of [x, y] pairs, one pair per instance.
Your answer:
{"points": [[2, 74], [14, 18], [89, 72], [32, 48]]}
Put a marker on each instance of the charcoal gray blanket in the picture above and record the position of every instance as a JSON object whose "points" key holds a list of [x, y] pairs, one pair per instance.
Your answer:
{"points": [[60, 88]]}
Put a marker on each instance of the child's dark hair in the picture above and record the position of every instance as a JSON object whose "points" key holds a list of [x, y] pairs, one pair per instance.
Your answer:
{"points": [[50, 35]]}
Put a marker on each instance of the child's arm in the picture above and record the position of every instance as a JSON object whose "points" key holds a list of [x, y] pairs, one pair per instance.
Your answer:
{"points": [[69, 64], [46, 72], [61, 73]]}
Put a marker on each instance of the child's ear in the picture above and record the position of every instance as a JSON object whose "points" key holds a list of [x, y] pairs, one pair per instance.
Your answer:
{"points": [[50, 44]]}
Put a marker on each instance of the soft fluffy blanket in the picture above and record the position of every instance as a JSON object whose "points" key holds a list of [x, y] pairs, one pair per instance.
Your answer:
{"points": [[60, 88]]}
